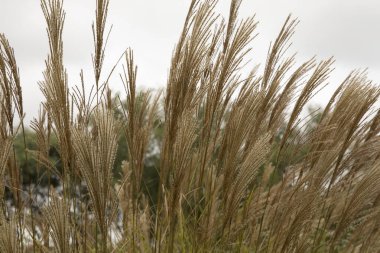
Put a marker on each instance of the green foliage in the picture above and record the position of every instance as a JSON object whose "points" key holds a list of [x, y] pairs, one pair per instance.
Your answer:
{"points": [[32, 171]]}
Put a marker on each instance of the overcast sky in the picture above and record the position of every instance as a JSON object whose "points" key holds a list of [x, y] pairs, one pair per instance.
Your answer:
{"points": [[345, 29]]}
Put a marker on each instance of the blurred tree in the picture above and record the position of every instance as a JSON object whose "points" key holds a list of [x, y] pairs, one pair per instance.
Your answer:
{"points": [[31, 171]]}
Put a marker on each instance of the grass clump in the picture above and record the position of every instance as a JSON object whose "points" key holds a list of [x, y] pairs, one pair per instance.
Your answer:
{"points": [[236, 167]]}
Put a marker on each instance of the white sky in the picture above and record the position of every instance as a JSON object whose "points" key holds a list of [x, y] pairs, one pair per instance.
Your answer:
{"points": [[346, 29]]}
